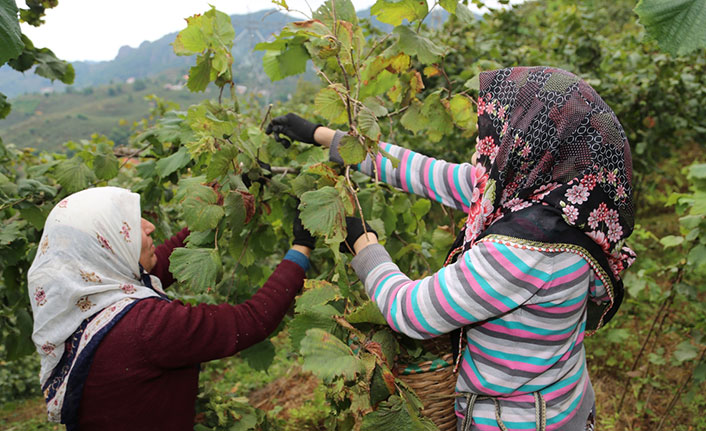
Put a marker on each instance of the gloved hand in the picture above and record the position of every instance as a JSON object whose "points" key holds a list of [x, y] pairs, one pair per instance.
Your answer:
{"points": [[293, 127], [266, 175], [301, 235], [354, 227]]}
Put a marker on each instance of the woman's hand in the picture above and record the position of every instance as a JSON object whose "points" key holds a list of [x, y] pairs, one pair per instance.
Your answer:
{"points": [[357, 238], [304, 241], [292, 127]]}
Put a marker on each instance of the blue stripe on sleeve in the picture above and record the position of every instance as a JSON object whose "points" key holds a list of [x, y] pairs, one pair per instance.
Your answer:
{"points": [[299, 258]]}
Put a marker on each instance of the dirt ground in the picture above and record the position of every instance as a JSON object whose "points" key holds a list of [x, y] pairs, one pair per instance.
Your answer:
{"points": [[290, 391]]}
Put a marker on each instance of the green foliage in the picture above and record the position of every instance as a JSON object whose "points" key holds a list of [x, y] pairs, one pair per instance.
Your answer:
{"points": [[415, 86], [210, 35], [676, 25], [19, 52], [10, 33], [327, 356]]}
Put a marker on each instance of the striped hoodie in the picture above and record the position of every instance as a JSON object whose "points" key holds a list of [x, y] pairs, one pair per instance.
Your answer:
{"points": [[526, 308]]}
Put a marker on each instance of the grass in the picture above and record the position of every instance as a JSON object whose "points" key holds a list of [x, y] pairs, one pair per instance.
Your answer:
{"points": [[26, 415]]}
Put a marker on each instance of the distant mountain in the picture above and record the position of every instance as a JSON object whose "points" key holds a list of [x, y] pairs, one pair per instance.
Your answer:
{"points": [[153, 58], [108, 97]]}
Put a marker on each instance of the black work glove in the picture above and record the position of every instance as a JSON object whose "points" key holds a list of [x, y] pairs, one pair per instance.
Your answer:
{"points": [[301, 235], [266, 176], [294, 128], [354, 227]]}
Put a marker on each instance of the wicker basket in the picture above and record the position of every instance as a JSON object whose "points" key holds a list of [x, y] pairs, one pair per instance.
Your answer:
{"points": [[434, 383]]}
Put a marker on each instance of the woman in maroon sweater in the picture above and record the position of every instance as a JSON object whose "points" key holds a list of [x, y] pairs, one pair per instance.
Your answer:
{"points": [[116, 353]]}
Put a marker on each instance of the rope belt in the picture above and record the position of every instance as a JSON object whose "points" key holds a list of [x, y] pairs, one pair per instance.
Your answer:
{"points": [[540, 410]]}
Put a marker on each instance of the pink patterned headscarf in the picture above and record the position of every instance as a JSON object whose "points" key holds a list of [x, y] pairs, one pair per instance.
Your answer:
{"points": [[545, 137]]}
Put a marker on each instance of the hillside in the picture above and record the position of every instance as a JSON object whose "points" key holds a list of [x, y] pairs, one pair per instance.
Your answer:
{"points": [[107, 97], [152, 58]]}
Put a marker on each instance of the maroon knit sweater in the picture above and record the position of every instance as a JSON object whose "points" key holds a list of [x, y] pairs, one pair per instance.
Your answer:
{"points": [[144, 375]]}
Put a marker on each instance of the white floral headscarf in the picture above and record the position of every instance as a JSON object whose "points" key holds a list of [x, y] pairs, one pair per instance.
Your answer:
{"points": [[87, 264]]}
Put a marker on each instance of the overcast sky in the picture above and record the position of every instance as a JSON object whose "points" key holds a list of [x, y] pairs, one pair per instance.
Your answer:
{"points": [[79, 30]]}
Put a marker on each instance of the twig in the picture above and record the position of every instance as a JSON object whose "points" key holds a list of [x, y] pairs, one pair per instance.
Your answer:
{"points": [[451, 219], [405, 243], [664, 305], [421, 21], [399, 111], [675, 398], [348, 90], [130, 156], [344, 323], [264, 119], [284, 170], [12, 204], [446, 77], [387, 36], [349, 184]]}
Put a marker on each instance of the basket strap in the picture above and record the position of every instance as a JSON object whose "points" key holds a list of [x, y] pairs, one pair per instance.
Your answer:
{"points": [[540, 411]]}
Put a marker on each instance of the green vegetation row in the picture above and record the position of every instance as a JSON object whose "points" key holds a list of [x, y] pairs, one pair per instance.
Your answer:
{"points": [[414, 86]]}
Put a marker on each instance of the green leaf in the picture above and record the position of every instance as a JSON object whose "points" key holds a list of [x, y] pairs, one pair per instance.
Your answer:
{"points": [[323, 213], [394, 12], [700, 373], [464, 14], [329, 104], [327, 357], [473, 83], [462, 112], [303, 322], [671, 241], [421, 207], [351, 150], [106, 165], [449, 5], [395, 414], [11, 232], [369, 125], [697, 256], [288, 61], [173, 163], [413, 120], [389, 344], [198, 268], [5, 108], [235, 210], [677, 25], [378, 389], [34, 215], [321, 294], [73, 174], [413, 44], [52, 68], [344, 11], [697, 171], [211, 30], [375, 107], [199, 209], [259, 356], [199, 75], [685, 352], [367, 313], [10, 33]]}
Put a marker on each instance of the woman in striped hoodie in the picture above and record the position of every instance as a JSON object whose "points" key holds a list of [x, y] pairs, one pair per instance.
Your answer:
{"points": [[538, 262]]}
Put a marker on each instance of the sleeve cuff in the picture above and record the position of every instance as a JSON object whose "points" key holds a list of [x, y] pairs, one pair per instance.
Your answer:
{"points": [[333, 154], [298, 258], [369, 258]]}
